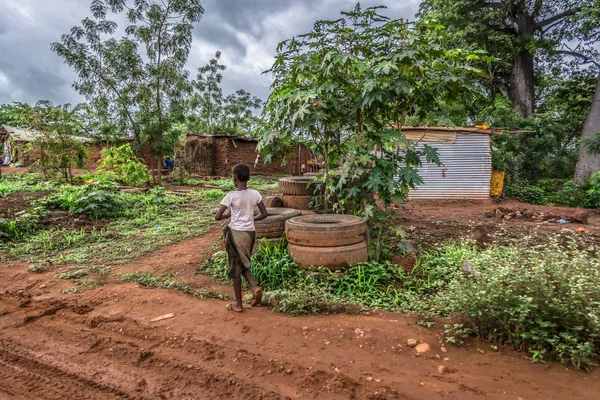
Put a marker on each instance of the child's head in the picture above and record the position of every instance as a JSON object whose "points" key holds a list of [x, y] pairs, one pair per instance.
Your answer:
{"points": [[241, 173]]}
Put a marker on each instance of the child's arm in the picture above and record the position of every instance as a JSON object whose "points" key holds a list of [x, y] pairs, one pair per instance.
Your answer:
{"points": [[220, 213], [263, 212]]}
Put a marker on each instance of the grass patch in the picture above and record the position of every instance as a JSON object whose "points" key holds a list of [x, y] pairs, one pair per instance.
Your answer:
{"points": [[168, 281], [18, 183], [150, 220], [37, 268]]}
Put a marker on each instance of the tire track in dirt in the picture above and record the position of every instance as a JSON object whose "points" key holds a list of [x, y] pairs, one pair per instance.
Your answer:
{"points": [[22, 373], [156, 364]]}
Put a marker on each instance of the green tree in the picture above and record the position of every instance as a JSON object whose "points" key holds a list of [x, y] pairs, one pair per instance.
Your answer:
{"points": [[348, 86], [140, 79], [517, 33], [213, 113], [56, 144]]}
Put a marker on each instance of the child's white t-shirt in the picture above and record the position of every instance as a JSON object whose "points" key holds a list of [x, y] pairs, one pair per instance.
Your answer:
{"points": [[242, 203]]}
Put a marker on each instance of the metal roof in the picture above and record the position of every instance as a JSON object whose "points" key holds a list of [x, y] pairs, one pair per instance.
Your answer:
{"points": [[442, 130], [26, 135]]}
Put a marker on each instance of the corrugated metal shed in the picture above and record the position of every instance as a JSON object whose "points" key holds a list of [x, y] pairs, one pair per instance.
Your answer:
{"points": [[25, 135], [466, 169]]}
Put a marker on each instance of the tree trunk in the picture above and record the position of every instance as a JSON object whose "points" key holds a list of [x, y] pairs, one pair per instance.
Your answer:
{"points": [[521, 91], [159, 164], [587, 163]]}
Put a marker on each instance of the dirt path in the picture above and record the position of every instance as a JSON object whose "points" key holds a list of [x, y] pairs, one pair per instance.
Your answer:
{"points": [[101, 344]]}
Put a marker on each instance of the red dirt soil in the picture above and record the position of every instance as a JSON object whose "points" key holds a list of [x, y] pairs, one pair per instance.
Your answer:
{"points": [[102, 344]]}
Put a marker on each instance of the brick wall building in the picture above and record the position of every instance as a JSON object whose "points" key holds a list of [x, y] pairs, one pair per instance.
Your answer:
{"points": [[216, 155]]}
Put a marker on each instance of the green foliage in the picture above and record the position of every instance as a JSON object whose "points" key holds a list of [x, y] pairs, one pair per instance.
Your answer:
{"points": [[371, 284], [214, 194], [24, 223], [542, 302], [149, 279], [213, 113], [592, 144], [258, 182], [345, 86], [124, 165], [308, 297], [272, 267], [556, 192], [18, 183], [593, 189], [37, 268], [137, 82]]}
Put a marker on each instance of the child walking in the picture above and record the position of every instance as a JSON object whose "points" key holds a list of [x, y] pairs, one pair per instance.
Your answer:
{"points": [[239, 234]]}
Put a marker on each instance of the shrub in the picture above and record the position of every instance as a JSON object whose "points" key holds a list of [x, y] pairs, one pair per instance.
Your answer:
{"points": [[528, 194], [593, 189], [123, 165], [24, 223], [98, 200], [556, 192], [308, 297], [213, 194], [545, 303]]}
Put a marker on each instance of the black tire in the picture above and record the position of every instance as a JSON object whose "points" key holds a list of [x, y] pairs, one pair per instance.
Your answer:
{"points": [[273, 201], [297, 202], [296, 186], [274, 224], [326, 230], [334, 258]]}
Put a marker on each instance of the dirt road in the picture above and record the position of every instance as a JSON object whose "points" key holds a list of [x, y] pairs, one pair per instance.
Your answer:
{"points": [[101, 344]]}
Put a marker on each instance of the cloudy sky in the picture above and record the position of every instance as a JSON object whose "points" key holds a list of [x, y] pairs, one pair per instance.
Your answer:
{"points": [[245, 31]]}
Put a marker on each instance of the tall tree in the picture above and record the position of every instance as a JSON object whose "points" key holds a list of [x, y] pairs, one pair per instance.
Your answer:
{"points": [[213, 112], [515, 32], [589, 157], [141, 76]]}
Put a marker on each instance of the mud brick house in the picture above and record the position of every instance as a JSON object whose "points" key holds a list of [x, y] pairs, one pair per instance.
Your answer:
{"points": [[215, 155]]}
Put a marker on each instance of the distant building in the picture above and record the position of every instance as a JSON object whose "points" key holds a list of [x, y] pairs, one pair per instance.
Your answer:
{"points": [[466, 156], [13, 145], [215, 155]]}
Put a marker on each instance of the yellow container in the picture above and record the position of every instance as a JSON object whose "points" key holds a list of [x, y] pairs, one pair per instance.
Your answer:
{"points": [[497, 183]]}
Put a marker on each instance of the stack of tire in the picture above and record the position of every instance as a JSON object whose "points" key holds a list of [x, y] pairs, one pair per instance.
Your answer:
{"points": [[272, 228], [297, 191], [333, 241]]}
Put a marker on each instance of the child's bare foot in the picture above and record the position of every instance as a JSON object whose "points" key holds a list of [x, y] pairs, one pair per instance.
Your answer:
{"points": [[256, 296], [234, 307]]}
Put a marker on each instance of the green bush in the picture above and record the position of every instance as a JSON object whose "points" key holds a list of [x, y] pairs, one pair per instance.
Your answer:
{"points": [[528, 193], [121, 163], [15, 183], [308, 297], [545, 303], [24, 223], [593, 189], [213, 194], [556, 192], [98, 200]]}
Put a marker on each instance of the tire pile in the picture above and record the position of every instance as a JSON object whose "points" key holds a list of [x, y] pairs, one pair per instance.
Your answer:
{"points": [[296, 192], [272, 228], [330, 240]]}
